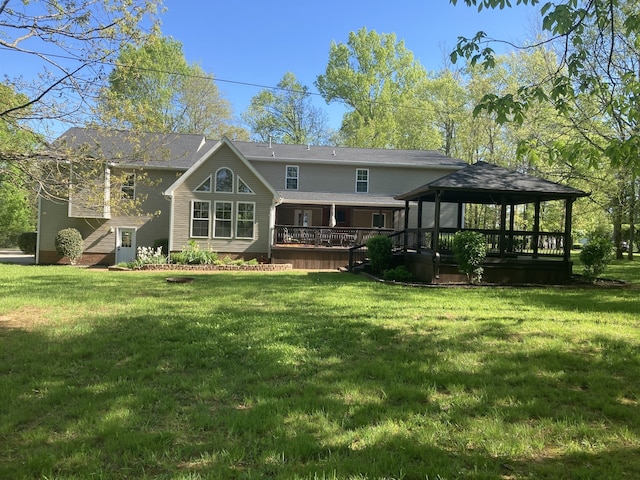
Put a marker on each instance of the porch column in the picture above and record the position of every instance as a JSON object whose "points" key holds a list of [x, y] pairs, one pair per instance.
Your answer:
{"points": [[568, 212], [406, 225], [436, 225], [536, 229], [419, 239], [503, 226]]}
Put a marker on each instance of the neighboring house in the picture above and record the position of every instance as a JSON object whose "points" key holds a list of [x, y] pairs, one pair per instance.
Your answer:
{"points": [[298, 204]]}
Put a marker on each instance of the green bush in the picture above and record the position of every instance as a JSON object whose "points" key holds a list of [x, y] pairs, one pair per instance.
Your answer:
{"points": [[469, 251], [398, 274], [68, 243], [595, 256], [27, 242], [194, 255], [380, 253]]}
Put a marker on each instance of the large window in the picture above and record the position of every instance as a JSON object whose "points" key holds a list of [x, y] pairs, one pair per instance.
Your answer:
{"points": [[362, 180], [224, 180], [378, 220], [222, 224], [245, 220], [292, 176], [129, 186], [200, 219]]}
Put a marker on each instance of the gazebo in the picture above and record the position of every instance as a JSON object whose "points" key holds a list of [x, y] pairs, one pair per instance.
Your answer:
{"points": [[514, 256]]}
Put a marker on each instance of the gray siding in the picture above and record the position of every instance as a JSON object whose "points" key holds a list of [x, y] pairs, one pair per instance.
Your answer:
{"points": [[342, 178], [261, 197]]}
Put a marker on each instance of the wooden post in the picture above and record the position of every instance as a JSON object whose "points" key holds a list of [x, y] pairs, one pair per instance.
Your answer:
{"points": [[460, 205], [568, 212], [419, 239], [406, 225], [536, 229], [511, 227], [503, 227], [436, 225]]}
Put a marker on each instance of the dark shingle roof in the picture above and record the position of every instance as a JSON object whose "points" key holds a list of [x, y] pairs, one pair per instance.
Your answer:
{"points": [[175, 151], [342, 155], [487, 183]]}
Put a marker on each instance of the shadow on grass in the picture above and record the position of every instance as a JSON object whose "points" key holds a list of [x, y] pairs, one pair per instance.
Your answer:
{"points": [[189, 383]]}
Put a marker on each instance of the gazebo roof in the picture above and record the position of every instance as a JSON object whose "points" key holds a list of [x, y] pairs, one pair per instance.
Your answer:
{"points": [[485, 183]]}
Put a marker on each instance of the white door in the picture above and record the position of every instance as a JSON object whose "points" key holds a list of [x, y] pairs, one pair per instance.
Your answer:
{"points": [[125, 245]]}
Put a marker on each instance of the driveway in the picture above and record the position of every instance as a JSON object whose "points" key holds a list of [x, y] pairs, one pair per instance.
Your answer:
{"points": [[16, 257]]}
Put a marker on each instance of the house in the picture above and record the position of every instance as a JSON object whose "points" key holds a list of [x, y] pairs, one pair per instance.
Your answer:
{"points": [[299, 204]]}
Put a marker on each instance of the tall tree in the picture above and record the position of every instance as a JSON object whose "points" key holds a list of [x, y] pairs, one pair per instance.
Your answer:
{"points": [[153, 88], [287, 115], [379, 79]]}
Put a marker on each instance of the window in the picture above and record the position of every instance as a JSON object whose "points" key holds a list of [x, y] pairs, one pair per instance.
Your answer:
{"points": [[129, 186], [245, 220], [222, 225], [224, 180], [291, 180], [362, 180], [205, 186], [200, 219], [378, 220], [243, 187]]}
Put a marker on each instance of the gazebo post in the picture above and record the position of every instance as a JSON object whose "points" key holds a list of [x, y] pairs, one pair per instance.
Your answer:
{"points": [[406, 225], [536, 229], [419, 239], [512, 215], [503, 226], [568, 212], [436, 225], [460, 205]]}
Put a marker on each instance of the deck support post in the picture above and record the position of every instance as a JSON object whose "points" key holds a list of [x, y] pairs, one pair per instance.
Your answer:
{"points": [[436, 224], [419, 239], [406, 225]]}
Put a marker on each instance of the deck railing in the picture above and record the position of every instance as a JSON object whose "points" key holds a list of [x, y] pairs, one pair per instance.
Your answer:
{"points": [[511, 244], [325, 236]]}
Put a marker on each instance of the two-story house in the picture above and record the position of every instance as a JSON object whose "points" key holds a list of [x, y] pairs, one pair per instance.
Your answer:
{"points": [[298, 204]]}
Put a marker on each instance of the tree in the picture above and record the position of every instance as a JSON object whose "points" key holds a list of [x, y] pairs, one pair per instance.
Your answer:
{"points": [[286, 115], [380, 80], [153, 88]]}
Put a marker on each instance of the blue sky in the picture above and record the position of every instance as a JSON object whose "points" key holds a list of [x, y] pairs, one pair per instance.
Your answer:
{"points": [[255, 42], [249, 44]]}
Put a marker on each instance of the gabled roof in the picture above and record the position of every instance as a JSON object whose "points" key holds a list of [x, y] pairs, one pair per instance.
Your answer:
{"points": [[486, 183], [205, 155], [343, 155], [171, 150]]}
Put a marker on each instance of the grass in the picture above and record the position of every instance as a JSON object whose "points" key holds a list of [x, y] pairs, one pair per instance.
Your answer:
{"points": [[314, 375]]}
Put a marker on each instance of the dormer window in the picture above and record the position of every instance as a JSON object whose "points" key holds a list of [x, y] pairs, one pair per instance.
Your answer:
{"points": [[224, 180]]}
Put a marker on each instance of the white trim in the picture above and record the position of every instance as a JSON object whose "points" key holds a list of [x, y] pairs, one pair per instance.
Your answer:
{"points": [[360, 181], [253, 220], [215, 181], [37, 257], [191, 219], [195, 190], [286, 177], [213, 231]]}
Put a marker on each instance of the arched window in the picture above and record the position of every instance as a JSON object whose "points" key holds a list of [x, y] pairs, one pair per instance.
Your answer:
{"points": [[224, 180]]}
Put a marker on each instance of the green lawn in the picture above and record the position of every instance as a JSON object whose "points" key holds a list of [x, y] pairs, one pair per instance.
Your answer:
{"points": [[314, 375]]}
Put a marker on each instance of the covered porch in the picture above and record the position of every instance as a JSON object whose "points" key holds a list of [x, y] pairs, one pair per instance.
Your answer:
{"points": [[316, 231], [531, 255]]}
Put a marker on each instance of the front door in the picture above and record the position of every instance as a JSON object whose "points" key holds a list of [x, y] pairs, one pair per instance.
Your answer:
{"points": [[125, 245]]}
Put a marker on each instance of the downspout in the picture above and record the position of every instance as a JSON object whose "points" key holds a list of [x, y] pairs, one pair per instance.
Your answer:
{"points": [[37, 258], [170, 243]]}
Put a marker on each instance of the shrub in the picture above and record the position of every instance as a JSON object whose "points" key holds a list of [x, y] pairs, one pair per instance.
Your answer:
{"points": [[380, 253], [27, 242], [68, 243], [469, 251], [149, 256], [595, 256], [398, 274], [193, 255]]}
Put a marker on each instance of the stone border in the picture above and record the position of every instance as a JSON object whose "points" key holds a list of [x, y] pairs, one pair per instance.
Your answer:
{"points": [[262, 267]]}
